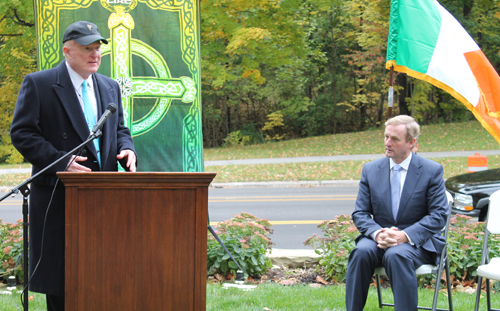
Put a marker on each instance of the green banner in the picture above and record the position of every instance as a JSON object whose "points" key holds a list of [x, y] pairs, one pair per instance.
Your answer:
{"points": [[154, 55]]}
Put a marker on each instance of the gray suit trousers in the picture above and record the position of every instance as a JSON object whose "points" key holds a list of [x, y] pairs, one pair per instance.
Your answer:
{"points": [[400, 263]]}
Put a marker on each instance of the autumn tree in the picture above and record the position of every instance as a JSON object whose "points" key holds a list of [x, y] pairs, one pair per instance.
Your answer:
{"points": [[330, 34], [17, 58], [280, 69], [253, 59]]}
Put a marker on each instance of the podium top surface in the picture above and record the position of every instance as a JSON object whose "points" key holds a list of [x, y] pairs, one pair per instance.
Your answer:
{"points": [[151, 179]]}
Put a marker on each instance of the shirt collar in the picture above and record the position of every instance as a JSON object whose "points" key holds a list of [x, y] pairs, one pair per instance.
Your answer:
{"points": [[77, 80], [405, 164]]}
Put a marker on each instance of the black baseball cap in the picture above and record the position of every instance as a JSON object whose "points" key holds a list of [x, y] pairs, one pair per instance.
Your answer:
{"points": [[83, 33]]}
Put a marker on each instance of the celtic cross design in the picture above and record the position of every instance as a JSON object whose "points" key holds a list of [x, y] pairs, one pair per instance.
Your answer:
{"points": [[162, 87]]}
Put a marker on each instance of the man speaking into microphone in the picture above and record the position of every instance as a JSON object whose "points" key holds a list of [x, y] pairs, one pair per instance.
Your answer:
{"points": [[56, 110]]}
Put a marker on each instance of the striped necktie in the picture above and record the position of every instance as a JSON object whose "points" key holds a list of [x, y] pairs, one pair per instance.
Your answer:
{"points": [[90, 116]]}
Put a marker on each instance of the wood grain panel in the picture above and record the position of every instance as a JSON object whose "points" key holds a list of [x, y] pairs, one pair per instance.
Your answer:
{"points": [[136, 241]]}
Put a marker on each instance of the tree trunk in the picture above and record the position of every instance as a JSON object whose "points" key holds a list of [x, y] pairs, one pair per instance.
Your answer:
{"points": [[402, 81], [381, 109]]}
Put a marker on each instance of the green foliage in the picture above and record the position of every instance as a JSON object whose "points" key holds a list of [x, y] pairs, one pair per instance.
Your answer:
{"points": [[465, 246], [336, 245], [253, 60], [11, 247], [273, 126], [17, 58], [465, 241], [319, 63], [247, 239], [237, 138]]}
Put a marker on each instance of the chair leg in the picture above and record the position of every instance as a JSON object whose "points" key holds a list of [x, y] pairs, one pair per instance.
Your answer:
{"points": [[478, 292], [448, 281], [436, 288], [488, 301], [379, 292]]}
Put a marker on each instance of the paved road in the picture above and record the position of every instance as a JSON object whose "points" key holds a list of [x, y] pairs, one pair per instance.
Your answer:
{"points": [[293, 211], [11, 209], [440, 154]]}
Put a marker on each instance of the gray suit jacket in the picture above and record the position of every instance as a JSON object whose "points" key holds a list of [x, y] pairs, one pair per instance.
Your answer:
{"points": [[423, 205]]}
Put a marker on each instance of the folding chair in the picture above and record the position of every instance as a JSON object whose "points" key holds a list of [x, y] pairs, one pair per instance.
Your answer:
{"points": [[428, 269], [490, 270]]}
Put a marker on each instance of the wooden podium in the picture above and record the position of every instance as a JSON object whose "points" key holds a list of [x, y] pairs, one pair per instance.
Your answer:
{"points": [[136, 241]]}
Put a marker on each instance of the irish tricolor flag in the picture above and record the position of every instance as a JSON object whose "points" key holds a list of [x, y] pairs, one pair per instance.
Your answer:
{"points": [[428, 43]]}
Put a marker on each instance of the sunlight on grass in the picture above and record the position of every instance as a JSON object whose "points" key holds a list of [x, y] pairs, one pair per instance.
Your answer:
{"points": [[332, 297], [442, 137], [340, 170], [10, 180], [10, 166], [285, 298], [13, 301]]}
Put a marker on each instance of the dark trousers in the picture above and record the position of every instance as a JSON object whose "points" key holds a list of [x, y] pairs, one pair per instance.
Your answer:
{"points": [[400, 263], [55, 303]]}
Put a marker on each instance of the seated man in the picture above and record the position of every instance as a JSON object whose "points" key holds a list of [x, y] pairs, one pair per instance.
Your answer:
{"points": [[400, 209]]}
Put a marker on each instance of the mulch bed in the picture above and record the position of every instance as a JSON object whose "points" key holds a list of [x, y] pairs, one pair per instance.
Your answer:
{"points": [[316, 277]]}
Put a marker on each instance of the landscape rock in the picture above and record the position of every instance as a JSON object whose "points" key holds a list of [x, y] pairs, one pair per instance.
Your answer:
{"points": [[294, 258]]}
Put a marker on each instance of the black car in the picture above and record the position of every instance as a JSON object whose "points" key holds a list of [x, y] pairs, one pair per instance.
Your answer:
{"points": [[471, 192]]}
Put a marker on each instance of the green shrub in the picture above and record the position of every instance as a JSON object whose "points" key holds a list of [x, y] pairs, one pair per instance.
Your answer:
{"points": [[336, 245], [237, 138], [11, 249], [247, 239], [465, 242]]}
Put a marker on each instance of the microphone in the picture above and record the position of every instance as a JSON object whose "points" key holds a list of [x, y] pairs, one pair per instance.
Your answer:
{"points": [[110, 109]]}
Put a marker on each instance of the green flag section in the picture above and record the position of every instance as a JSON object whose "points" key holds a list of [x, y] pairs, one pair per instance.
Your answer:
{"points": [[428, 43], [154, 55]]}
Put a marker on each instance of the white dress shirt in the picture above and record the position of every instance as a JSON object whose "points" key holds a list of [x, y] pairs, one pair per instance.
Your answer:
{"points": [[77, 81], [404, 170]]}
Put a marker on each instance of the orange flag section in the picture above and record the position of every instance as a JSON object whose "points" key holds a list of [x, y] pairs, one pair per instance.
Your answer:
{"points": [[487, 110]]}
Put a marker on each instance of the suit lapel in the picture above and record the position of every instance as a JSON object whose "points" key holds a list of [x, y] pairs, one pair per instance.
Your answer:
{"points": [[412, 177], [384, 185], [67, 96]]}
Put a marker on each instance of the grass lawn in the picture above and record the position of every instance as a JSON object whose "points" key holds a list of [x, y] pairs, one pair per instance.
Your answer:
{"points": [[22, 165], [442, 137], [446, 137], [339, 170], [12, 302], [300, 297], [285, 298]]}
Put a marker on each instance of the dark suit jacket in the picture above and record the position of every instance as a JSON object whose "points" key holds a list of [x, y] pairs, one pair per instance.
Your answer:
{"points": [[48, 122], [423, 205]]}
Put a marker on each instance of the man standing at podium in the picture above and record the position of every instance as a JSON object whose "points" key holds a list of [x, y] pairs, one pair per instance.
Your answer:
{"points": [[55, 111]]}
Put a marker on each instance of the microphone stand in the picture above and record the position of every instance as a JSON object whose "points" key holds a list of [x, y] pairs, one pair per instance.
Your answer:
{"points": [[25, 191]]}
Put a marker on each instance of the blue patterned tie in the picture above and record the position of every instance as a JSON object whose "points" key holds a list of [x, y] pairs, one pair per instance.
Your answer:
{"points": [[89, 116], [395, 190]]}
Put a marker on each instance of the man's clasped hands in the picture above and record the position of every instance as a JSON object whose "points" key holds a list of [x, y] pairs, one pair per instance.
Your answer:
{"points": [[389, 237]]}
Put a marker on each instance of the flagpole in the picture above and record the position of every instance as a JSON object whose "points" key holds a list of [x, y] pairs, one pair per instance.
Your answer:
{"points": [[391, 92]]}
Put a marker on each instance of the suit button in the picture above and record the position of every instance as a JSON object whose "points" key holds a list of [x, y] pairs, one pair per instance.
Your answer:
{"points": [[65, 135]]}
